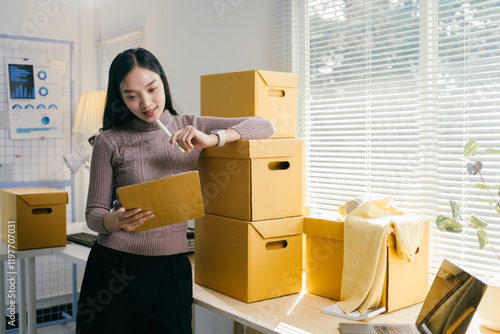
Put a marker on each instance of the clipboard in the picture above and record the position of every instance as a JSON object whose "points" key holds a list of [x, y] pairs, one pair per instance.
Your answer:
{"points": [[172, 199]]}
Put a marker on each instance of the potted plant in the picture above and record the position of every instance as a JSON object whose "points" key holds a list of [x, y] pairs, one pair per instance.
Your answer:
{"points": [[490, 304]]}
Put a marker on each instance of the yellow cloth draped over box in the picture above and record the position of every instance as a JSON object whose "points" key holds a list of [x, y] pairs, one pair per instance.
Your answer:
{"points": [[366, 230]]}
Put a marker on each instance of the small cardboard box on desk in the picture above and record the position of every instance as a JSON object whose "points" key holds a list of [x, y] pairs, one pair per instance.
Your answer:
{"points": [[405, 283], [249, 261], [39, 216], [270, 95]]}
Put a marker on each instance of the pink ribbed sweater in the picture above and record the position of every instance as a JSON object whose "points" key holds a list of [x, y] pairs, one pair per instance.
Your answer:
{"points": [[140, 152]]}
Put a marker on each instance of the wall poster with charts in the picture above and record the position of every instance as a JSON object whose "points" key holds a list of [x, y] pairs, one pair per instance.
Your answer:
{"points": [[34, 98]]}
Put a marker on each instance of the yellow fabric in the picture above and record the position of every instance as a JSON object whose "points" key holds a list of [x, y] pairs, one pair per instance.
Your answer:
{"points": [[365, 250], [342, 211]]}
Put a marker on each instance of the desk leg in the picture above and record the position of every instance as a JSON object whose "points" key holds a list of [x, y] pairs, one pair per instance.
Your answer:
{"points": [[74, 295], [193, 318], [2, 297], [21, 289], [31, 294], [242, 329]]}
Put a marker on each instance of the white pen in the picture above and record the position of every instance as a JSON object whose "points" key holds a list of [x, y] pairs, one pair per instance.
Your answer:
{"points": [[160, 124]]}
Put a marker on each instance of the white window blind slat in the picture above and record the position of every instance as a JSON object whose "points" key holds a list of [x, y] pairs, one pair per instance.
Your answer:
{"points": [[108, 49]]}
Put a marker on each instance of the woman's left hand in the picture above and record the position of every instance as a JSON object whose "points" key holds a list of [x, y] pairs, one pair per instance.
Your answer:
{"points": [[190, 138]]}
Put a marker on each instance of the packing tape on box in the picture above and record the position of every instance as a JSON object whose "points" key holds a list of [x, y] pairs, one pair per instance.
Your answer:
{"points": [[350, 205]]}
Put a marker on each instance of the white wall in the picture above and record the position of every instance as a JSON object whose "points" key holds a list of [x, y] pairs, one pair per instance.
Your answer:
{"points": [[189, 37], [56, 19], [192, 38]]}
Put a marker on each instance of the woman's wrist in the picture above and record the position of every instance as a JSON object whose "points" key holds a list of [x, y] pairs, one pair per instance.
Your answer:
{"points": [[108, 222], [214, 139], [230, 135]]}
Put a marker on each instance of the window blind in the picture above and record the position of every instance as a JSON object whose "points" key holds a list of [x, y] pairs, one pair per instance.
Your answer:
{"points": [[108, 49], [389, 94]]}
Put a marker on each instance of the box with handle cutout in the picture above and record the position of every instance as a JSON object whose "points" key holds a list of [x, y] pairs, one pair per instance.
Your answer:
{"points": [[33, 217], [268, 94], [249, 261], [254, 180]]}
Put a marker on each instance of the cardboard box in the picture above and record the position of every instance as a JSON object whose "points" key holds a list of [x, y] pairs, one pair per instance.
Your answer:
{"points": [[406, 283], [39, 215], [270, 95], [249, 261], [254, 180]]}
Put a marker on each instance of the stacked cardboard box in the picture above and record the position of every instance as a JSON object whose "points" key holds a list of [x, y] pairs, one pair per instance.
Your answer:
{"points": [[249, 243], [270, 95]]}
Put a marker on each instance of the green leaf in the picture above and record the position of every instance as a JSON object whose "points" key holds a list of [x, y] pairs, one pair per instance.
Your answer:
{"points": [[455, 209], [446, 224], [492, 151], [489, 201], [485, 186], [474, 167], [482, 237], [478, 222], [471, 148], [497, 207]]}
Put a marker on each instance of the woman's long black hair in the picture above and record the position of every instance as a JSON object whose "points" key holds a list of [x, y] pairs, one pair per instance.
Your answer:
{"points": [[116, 112]]}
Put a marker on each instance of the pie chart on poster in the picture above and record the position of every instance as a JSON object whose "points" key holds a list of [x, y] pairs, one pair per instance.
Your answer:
{"points": [[42, 75], [45, 120]]}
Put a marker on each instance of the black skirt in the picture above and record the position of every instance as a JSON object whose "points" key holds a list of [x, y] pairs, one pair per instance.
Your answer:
{"points": [[128, 293]]}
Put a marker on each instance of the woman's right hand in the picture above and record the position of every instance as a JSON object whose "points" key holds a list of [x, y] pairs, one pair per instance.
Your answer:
{"points": [[127, 220]]}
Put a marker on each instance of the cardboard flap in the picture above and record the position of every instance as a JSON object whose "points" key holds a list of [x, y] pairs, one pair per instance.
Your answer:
{"points": [[279, 79], [277, 228], [235, 150], [276, 148], [325, 228], [244, 149], [332, 229], [42, 199]]}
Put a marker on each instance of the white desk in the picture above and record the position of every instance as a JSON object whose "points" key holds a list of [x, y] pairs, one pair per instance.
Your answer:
{"points": [[298, 314], [293, 314], [72, 252]]}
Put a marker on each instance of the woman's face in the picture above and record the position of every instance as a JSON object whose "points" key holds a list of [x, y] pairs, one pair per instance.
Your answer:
{"points": [[143, 93]]}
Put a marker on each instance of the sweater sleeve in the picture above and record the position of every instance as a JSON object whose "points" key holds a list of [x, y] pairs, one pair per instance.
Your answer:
{"points": [[248, 127], [100, 184]]}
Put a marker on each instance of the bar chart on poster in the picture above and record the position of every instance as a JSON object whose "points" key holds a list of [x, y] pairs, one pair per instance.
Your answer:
{"points": [[21, 81]]}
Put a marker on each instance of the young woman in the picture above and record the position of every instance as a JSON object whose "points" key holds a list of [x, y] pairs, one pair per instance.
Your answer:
{"points": [[142, 282]]}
